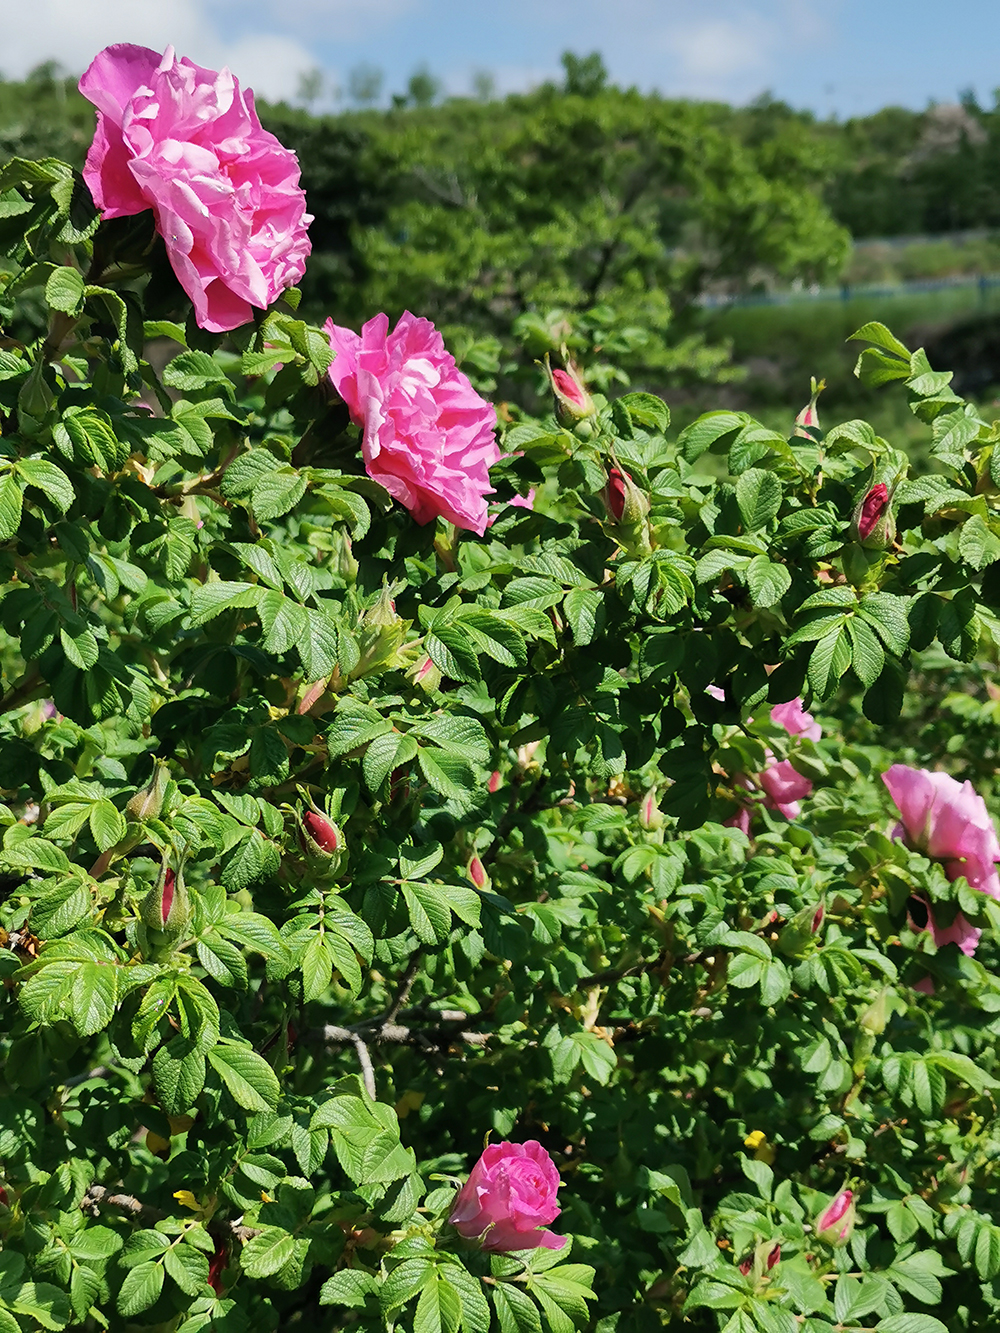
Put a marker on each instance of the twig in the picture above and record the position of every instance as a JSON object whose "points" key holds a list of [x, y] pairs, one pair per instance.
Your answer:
{"points": [[367, 1069], [405, 986], [98, 1195]]}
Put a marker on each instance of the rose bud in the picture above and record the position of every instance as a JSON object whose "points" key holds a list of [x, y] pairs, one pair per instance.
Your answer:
{"points": [[164, 913], [509, 1198], [572, 401], [872, 523], [836, 1222], [808, 418], [746, 1265], [494, 782], [800, 930], [649, 812], [624, 501], [320, 837], [426, 674], [773, 1257], [3, 1197], [217, 1266], [477, 872], [148, 802]]}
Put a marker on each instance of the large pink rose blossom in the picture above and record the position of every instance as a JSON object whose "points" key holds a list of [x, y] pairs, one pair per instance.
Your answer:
{"points": [[509, 1198], [429, 438], [948, 821], [186, 142]]}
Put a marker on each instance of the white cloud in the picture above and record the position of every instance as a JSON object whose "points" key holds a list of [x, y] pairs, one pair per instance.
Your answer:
{"points": [[73, 31]]}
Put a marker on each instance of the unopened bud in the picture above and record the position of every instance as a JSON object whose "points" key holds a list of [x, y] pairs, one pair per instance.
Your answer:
{"points": [[624, 501], [874, 1018], [494, 782], [166, 910], [148, 802], [650, 816], [808, 418], [573, 402], [320, 838], [773, 1257], [872, 523], [426, 674], [35, 397], [380, 633], [798, 932], [217, 1266], [477, 872], [835, 1223]]}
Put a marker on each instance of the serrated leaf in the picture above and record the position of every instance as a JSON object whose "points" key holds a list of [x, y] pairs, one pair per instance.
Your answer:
{"points": [[249, 1078], [758, 494]]}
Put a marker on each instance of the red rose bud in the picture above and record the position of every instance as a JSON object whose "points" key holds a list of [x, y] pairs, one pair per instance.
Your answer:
{"points": [[322, 831], [836, 1222], [3, 1197], [625, 502], [818, 915], [808, 418], [495, 781], [773, 1257], [872, 523], [477, 872], [746, 1265], [216, 1267], [573, 402], [165, 910]]}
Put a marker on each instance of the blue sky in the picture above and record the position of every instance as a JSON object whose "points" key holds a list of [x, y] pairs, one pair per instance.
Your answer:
{"points": [[833, 56]]}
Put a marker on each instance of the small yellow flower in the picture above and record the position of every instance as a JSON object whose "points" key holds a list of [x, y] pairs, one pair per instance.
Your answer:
{"points": [[187, 1200], [759, 1146]]}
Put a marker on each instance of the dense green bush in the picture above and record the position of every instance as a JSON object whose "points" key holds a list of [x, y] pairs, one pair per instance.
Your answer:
{"points": [[248, 1056]]}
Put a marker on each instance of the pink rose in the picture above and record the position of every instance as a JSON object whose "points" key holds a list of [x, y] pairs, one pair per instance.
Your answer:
{"points": [[186, 142], [782, 784], [429, 437], [836, 1222], [509, 1198], [948, 821]]}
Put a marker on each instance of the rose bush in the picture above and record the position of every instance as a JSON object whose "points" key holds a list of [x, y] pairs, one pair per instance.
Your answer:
{"points": [[344, 830]]}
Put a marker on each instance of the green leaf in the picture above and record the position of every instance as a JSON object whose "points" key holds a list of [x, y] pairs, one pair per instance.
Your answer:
{"points": [[64, 290], [977, 544], [758, 494], [828, 661], [867, 656], [11, 500], [249, 1078], [708, 430], [267, 1252], [179, 1074], [52, 481], [878, 334], [767, 581], [142, 1286], [80, 647], [107, 824], [911, 1323]]}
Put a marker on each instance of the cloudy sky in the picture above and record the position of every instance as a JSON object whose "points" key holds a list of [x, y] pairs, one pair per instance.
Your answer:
{"points": [[839, 56]]}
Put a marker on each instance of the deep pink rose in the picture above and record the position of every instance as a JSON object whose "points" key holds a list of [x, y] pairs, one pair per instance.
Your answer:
{"points": [[429, 438], [836, 1222], [186, 142], [796, 721], [509, 1198], [948, 821]]}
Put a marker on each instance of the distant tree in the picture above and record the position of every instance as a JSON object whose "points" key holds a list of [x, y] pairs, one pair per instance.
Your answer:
{"points": [[484, 85], [586, 76], [364, 84], [423, 88], [310, 89]]}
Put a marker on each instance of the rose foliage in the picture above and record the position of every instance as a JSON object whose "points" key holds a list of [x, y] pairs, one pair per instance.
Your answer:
{"points": [[354, 813]]}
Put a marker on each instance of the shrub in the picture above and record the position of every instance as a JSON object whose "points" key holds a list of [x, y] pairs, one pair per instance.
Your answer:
{"points": [[335, 842]]}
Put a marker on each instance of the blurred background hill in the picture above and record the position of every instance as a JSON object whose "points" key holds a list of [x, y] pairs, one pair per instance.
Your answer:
{"points": [[718, 252]]}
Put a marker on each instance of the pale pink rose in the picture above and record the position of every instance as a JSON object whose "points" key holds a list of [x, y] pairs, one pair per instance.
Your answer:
{"points": [[523, 501], [796, 721], [782, 784], [509, 1198], [948, 821], [429, 438], [187, 143]]}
